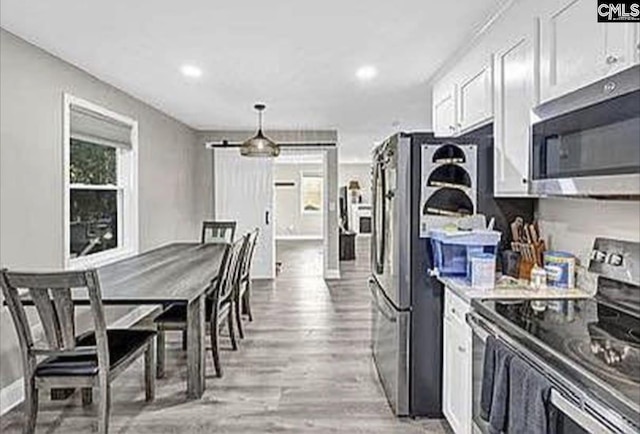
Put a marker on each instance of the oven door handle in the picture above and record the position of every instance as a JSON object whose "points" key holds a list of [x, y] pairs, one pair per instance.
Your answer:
{"points": [[479, 327], [581, 417]]}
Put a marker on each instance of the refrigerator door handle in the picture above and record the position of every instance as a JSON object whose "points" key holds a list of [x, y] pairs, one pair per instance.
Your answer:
{"points": [[380, 304]]}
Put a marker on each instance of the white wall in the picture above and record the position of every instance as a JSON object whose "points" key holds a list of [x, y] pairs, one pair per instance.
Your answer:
{"points": [[175, 176], [290, 220], [572, 224]]}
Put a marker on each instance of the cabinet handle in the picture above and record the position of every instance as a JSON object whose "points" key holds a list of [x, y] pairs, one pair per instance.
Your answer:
{"points": [[452, 128], [462, 349], [611, 59], [453, 310]]}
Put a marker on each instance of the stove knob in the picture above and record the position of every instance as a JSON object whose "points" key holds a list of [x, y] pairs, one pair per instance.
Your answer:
{"points": [[598, 256], [615, 259]]}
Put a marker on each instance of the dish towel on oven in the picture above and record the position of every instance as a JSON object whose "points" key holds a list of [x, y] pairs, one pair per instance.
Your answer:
{"points": [[494, 399], [529, 395], [488, 366]]}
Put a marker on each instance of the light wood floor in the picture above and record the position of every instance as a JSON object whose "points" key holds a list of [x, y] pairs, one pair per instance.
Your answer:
{"points": [[305, 367]]}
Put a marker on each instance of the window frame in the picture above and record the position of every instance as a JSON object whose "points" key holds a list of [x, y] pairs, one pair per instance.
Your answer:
{"points": [[309, 174], [126, 187]]}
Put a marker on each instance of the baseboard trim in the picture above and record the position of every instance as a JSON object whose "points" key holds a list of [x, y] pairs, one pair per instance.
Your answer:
{"points": [[299, 238], [12, 395], [331, 274]]}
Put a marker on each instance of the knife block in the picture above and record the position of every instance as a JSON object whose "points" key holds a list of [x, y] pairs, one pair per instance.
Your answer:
{"points": [[524, 268]]}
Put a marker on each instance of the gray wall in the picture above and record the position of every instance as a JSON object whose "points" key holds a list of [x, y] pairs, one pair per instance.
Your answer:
{"points": [[290, 220], [175, 177]]}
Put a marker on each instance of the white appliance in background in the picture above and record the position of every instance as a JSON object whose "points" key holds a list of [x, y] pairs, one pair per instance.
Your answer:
{"points": [[244, 193], [449, 184], [360, 218]]}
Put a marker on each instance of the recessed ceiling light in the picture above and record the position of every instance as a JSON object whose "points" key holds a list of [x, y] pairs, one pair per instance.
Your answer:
{"points": [[366, 73], [191, 71]]}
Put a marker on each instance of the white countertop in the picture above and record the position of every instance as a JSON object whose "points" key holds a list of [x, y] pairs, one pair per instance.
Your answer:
{"points": [[510, 291]]}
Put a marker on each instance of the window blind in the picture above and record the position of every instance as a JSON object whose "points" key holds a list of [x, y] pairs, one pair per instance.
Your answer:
{"points": [[91, 126]]}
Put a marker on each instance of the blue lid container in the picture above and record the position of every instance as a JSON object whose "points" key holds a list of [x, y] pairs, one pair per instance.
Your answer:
{"points": [[452, 250]]}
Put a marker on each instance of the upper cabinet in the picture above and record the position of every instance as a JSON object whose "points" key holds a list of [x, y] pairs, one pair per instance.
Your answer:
{"points": [[513, 98], [475, 101], [576, 50], [444, 112], [465, 102]]}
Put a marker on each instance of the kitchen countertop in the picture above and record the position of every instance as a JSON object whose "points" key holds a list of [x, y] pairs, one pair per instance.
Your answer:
{"points": [[517, 290]]}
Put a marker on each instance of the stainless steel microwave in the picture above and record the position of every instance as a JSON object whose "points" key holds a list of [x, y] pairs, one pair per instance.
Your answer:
{"points": [[588, 142]]}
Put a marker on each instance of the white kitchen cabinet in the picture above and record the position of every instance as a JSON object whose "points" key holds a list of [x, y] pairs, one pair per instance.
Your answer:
{"points": [[636, 43], [457, 386], [444, 112], [576, 50], [514, 96], [475, 98]]}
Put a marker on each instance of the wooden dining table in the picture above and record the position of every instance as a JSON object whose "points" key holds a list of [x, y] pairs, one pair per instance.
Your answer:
{"points": [[174, 273]]}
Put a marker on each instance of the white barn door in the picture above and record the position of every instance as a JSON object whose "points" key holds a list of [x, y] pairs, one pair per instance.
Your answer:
{"points": [[244, 193]]}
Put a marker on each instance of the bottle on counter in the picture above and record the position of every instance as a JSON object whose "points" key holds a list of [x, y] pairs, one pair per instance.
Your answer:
{"points": [[538, 278]]}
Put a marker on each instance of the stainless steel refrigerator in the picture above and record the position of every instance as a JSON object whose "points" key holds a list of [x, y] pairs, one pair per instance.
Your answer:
{"points": [[407, 303]]}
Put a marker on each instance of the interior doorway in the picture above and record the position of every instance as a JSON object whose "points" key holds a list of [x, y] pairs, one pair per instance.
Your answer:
{"points": [[299, 213], [245, 191]]}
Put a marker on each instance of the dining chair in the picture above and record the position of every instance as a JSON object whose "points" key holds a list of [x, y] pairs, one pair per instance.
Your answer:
{"points": [[242, 299], [218, 231], [90, 360], [213, 232], [218, 308]]}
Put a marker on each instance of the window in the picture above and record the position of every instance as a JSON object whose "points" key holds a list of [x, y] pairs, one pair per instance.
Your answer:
{"points": [[311, 193], [100, 184]]}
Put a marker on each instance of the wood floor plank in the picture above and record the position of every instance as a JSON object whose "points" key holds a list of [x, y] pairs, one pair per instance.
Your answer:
{"points": [[304, 367]]}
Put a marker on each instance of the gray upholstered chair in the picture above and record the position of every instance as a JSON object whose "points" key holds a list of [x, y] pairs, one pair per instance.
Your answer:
{"points": [[91, 360], [213, 231]]}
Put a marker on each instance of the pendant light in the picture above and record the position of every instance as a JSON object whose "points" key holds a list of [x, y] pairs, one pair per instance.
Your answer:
{"points": [[259, 145]]}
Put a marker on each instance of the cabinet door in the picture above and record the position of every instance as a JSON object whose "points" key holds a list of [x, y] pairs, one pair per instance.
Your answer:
{"points": [[576, 50], [475, 101], [514, 98], [635, 44], [457, 375], [444, 114]]}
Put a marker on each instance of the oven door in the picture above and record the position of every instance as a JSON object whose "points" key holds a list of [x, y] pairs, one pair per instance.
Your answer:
{"points": [[593, 150], [586, 417]]}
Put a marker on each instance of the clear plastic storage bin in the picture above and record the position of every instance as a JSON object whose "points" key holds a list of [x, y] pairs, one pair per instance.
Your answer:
{"points": [[452, 250]]}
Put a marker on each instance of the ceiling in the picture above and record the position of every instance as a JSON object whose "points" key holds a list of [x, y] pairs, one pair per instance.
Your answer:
{"points": [[298, 56]]}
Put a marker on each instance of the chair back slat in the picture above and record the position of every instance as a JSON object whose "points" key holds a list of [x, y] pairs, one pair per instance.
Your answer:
{"points": [[248, 257], [222, 269], [229, 280], [48, 316], [218, 231], [51, 295], [63, 304], [67, 279]]}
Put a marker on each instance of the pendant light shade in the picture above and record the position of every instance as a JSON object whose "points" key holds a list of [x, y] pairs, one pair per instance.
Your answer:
{"points": [[260, 145]]}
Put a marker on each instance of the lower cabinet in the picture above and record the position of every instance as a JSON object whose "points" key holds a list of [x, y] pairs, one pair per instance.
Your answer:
{"points": [[457, 365]]}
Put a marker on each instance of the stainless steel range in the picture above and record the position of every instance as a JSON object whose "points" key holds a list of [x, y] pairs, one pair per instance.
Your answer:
{"points": [[588, 349]]}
